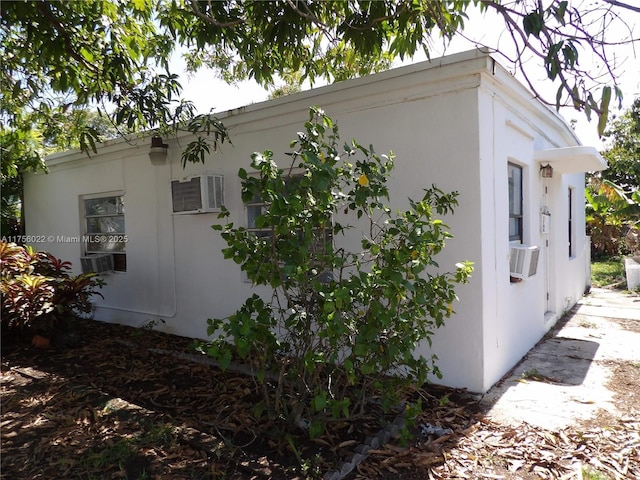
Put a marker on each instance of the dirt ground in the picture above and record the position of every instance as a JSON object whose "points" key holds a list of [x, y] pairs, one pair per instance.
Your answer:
{"points": [[118, 406]]}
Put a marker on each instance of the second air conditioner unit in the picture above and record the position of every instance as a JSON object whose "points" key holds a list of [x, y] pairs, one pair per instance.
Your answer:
{"points": [[523, 261], [99, 263]]}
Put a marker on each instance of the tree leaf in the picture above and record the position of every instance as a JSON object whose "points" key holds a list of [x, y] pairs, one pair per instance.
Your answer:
{"points": [[604, 110]]}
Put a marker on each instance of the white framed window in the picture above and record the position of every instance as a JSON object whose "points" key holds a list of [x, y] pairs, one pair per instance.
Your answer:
{"points": [[254, 208], [257, 206], [515, 203], [104, 227]]}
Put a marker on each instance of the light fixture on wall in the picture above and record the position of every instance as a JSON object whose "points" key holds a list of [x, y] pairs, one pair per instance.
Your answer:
{"points": [[158, 150], [546, 171]]}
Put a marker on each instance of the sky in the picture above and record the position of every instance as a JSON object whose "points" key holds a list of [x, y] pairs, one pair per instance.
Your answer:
{"points": [[209, 92]]}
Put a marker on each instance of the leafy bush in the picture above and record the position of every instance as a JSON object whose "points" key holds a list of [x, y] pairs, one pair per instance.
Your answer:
{"points": [[342, 327], [38, 291], [613, 219]]}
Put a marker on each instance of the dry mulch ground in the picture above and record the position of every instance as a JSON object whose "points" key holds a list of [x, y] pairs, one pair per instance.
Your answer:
{"points": [[114, 407]]}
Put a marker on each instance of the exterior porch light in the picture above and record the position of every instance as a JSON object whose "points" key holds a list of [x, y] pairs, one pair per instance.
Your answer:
{"points": [[158, 150], [546, 171]]}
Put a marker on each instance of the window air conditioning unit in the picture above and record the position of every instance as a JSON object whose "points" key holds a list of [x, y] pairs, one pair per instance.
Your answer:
{"points": [[523, 261], [197, 194], [99, 263]]}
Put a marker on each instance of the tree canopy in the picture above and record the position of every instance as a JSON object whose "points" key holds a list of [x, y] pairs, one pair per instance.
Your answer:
{"points": [[613, 195], [114, 56], [623, 152]]}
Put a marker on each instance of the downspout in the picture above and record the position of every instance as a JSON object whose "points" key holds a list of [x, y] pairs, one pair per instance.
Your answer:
{"points": [[545, 221], [489, 335], [495, 202]]}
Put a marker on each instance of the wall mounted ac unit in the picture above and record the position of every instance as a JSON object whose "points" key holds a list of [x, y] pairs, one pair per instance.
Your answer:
{"points": [[523, 261], [197, 194], [99, 263]]}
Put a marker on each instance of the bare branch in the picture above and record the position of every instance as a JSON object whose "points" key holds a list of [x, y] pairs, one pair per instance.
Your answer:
{"points": [[583, 29], [623, 5], [195, 8], [313, 18]]}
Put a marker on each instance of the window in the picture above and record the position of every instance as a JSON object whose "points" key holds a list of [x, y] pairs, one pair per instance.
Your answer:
{"points": [[257, 206], [570, 225], [515, 203], [104, 230]]}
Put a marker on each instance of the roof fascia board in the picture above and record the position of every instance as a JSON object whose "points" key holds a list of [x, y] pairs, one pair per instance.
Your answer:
{"points": [[105, 148], [398, 84], [412, 82], [501, 82]]}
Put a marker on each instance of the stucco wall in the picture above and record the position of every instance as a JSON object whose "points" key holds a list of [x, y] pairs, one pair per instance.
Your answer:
{"points": [[175, 270], [517, 314]]}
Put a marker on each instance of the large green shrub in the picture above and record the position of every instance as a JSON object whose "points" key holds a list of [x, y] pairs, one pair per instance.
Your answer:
{"points": [[613, 219], [342, 326], [38, 291]]}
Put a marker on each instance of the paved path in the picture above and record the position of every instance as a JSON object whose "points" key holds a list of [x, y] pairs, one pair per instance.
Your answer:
{"points": [[574, 365]]}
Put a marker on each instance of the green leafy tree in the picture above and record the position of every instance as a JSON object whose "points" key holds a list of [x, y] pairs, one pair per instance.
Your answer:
{"points": [[62, 60], [613, 195], [613, 219], [341, 39], [23, 150], [341, 324], [623, 152], [114, 56]]}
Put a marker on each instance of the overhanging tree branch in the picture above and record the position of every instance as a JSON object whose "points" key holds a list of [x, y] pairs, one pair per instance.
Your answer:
{"points": [[71, 49], [623, 5], [195, 8]]}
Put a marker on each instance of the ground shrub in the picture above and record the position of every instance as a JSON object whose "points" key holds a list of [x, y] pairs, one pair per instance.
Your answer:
{"points": [[38, 292], [341, 325]]}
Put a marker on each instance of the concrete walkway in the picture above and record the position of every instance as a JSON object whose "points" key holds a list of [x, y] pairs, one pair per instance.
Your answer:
{"points": [[563, 379]]}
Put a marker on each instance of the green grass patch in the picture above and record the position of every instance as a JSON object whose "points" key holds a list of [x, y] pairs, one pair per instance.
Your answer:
{"points": [[531, 374], [608, 272], [589, 474]]}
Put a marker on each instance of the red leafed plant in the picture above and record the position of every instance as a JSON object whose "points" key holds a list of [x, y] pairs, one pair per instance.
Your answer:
{"points": [[38, 290]]}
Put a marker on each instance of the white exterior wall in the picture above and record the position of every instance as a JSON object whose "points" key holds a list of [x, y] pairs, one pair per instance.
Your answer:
{"points": [[517, 315], [445, 127]]}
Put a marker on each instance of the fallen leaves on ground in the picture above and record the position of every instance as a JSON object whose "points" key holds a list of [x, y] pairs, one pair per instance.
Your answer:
{"points": [[480, 448], [116, 408], [112, 408]]}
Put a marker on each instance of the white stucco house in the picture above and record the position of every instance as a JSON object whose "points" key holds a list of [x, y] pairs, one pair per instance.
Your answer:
{"points": [[461, 122]]}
